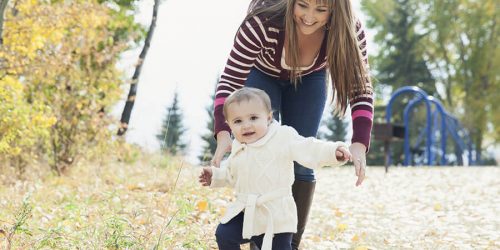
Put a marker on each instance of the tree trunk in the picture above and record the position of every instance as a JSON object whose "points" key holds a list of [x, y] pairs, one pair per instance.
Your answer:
{"points": [[127, 110], [3, 6]]}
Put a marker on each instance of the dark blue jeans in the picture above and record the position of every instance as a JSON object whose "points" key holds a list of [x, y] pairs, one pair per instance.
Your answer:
{"points": [[300, 108], [229, 236]]}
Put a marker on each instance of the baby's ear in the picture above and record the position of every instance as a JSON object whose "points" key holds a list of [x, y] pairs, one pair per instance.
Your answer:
{"points": [[270, 117]]}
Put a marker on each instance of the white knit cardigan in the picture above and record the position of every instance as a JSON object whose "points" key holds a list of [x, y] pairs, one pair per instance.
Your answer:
{"points": [[262, 174]]}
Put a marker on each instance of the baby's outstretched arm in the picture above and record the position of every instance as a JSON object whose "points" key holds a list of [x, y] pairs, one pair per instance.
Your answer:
{"points": [[205, 177]]}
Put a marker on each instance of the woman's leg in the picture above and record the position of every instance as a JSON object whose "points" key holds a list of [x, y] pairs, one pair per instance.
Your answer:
{"points": [[229, 236], [270, 85], [302, 109]]}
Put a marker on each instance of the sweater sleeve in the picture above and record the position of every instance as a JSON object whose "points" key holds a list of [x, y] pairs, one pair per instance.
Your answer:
{"points": [[361, 102], [247, 46], [222, 177], [313, 153]]}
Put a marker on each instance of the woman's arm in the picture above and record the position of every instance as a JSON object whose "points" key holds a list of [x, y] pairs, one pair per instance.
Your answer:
{"points": [[247, 46], [362, 101]]}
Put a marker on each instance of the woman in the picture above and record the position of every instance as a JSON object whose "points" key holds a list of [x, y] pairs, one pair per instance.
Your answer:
{"points": [[287, 48]]}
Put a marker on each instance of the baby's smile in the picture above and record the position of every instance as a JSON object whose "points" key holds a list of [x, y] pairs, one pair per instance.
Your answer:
{"points": [[248, 133]]}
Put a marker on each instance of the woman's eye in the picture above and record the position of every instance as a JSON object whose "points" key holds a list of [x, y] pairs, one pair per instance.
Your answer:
{"points": [[321, 10], [302, 5]]}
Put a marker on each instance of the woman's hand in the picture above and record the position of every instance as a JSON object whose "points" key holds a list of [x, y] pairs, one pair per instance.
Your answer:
{"points": [[358, 152], [224, 143]]}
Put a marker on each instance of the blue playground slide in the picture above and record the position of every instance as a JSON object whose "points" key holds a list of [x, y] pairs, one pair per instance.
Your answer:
{"points": [[438, 126]]}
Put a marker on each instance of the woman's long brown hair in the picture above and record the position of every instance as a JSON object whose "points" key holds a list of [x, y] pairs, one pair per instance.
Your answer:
{"points": [[348, 73]]}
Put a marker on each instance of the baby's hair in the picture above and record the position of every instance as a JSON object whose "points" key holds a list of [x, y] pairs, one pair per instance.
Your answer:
{"points": [[247, 94]]}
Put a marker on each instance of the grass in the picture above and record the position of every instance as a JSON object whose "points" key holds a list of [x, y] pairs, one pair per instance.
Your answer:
{"points": [[156, 203], [152, 204]]}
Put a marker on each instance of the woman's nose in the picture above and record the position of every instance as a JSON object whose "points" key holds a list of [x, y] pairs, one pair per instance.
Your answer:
{"points": [[309, 18]]}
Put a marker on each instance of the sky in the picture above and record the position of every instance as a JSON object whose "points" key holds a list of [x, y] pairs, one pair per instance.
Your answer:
{"points": [[190, 46]]}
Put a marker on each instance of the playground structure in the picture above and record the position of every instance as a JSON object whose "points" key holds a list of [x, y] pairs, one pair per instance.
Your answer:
{"points": [[439, 124]]}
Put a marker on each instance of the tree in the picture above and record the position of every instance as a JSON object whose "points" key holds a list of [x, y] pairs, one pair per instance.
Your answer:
{"points": [[400, 61], [210, 142], [460, 38], [129, 104], [335, 128], [209, 139], [3, 6], [170, 137], [64, 56], [463, 49]]}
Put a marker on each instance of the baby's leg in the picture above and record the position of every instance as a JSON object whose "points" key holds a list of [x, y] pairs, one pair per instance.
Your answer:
{"points": [[229, 235], [282, 241]]}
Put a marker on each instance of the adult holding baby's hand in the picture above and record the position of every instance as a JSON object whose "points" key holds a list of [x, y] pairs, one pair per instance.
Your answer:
{"points": [[288, 48]]}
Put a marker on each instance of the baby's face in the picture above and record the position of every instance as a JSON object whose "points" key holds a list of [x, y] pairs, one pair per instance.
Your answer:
{"points": [[248, 120]]}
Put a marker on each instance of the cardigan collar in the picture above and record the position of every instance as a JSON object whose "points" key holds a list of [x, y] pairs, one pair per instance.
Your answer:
{"points": [[273, 127]]}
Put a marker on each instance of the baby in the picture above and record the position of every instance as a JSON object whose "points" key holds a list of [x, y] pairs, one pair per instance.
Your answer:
{"points": [[260, 169]]}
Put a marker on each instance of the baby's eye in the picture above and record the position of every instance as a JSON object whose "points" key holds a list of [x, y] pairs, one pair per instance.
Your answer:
{"points": [[236, 121], [253, 118]]}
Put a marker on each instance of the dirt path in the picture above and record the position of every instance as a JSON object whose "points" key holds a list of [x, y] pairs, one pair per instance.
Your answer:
{"points": [[408, 208]]}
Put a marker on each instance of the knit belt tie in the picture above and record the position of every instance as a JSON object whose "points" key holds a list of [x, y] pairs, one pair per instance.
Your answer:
{"points": [[253, 200]]}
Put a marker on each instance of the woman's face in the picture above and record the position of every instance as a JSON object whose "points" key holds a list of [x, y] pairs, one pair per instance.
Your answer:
{"points": [[310, 15]]}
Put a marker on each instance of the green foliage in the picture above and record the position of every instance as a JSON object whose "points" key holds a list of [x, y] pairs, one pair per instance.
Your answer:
{"points": [[457, 41], [463, 46], [336, 128], [400, 61], [170, 137], [116, 236], [210, 142], [51, 239], [22, 125], [19, 226]]}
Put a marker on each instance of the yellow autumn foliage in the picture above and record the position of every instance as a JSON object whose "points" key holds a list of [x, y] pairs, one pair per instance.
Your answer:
{"points": [[21, 124], [58, 76]]}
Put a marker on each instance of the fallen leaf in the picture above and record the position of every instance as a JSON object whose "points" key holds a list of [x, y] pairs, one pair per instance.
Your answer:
{"points": [[202, 206], [361, 248], [341, 227], [438, 207], [355, 238], [316, 238], [222, 210]]}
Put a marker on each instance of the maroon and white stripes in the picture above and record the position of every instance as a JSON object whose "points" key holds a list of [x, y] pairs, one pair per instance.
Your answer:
{"points": [[260, 45]]}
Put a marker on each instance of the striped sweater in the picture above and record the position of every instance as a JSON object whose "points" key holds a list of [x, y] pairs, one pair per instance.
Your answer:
{"points": [[261, 45]]}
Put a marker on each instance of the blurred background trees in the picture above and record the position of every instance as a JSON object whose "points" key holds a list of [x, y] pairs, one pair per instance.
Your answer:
{"points": [[172, 131], [449, 48], [58, 76]]}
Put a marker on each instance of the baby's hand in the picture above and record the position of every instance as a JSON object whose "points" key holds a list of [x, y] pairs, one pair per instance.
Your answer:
{"points": [[205, 177], [343, 154]]}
